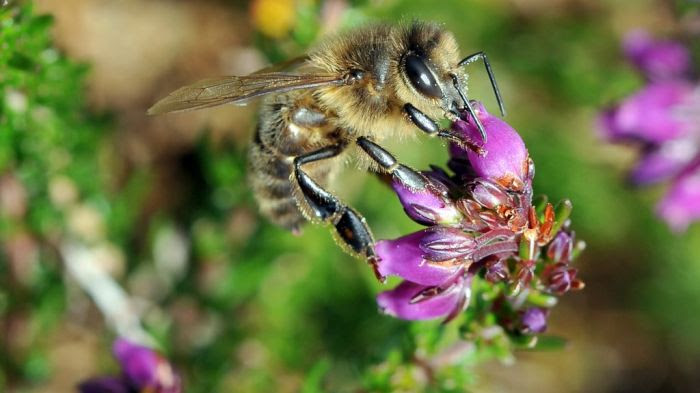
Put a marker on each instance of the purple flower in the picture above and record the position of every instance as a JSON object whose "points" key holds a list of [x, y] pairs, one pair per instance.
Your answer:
{"points": [[664, 117], [143, 370], [662, 162], [559, 278], [406, 256], [433, 263], [496, 269], [533, 320], [494, 232], [656, 59], [506, 159], [681, 205], [561, 247], [413, 301], [648, 115]]}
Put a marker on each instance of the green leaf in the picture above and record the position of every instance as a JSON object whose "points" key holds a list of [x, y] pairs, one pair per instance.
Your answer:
{"points": [[549, 343], [541, 300], [314, 379], [561, 213]]}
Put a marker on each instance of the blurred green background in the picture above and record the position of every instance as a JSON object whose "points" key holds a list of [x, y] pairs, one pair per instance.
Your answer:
{"points": [[160, 204]]}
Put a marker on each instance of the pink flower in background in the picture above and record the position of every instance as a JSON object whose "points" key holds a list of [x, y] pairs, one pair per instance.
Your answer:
{"points": [[143, 370], [681, 205], [657, 59], [663, 118]]}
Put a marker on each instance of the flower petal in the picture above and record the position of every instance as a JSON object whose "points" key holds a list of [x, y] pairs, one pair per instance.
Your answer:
{"points": [[506, 158], [397, 302], [665, 161], [139, 363], [146, 369], [657, 59], [681, 205], [648, 115], [404, 257]]}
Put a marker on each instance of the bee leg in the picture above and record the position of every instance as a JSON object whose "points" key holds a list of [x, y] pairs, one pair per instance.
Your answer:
{"points": [[351, 229], [407, 176], [430, 127]]}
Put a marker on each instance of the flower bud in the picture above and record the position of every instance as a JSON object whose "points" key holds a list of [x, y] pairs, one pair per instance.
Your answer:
{"points": [[560, 248], [533, 320], [444, 244], [488, 194], [506, 158], [559, 278], [406, 257], [427, 206], [496, 270]]}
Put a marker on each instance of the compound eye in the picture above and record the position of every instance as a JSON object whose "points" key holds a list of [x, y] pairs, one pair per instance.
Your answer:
{"points": [[420, 76]]}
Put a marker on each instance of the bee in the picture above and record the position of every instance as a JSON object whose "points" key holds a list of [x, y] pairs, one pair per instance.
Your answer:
{"points": [[343, 98]]}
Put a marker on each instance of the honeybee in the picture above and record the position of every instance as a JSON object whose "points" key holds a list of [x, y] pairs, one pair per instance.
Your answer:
{"points": [[352, 91]]}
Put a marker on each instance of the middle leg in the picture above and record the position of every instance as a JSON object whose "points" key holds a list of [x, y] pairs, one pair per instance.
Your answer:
{"points": [[350, 228]]}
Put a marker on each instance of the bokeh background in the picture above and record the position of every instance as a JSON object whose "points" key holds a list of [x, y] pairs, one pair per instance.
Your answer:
{"points": [[95, 193]]}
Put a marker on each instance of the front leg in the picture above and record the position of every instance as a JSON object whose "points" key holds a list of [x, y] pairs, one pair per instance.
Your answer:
{"points": [[351, 230], [430, 127]]}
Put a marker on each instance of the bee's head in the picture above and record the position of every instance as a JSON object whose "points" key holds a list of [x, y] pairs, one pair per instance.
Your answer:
{"points": [[430, 71]]}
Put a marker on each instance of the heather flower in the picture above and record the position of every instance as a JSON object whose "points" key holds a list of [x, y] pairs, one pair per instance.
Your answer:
{"points": [[663, 117], [648, 115], [413, 301], [681, 205], [533, 320], [143, 370], [558, 276], [494, 233], [656, 59], [430, 205], [505, 160]]}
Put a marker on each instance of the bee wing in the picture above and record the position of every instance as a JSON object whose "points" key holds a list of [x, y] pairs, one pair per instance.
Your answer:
{"points": [[235, 89]]}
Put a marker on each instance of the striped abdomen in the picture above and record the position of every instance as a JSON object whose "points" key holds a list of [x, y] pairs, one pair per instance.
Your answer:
{"points": [[289, 125]]}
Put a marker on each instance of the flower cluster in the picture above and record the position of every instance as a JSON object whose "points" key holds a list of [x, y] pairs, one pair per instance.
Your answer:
{"points": [[143, 370], [664, 118], [481, 225]]}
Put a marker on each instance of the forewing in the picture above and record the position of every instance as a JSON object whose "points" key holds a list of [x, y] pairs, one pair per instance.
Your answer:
{"points": [[233, 89]]}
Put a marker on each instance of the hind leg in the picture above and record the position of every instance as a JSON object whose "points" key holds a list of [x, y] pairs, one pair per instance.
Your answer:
{"points": [[351, 229]]}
